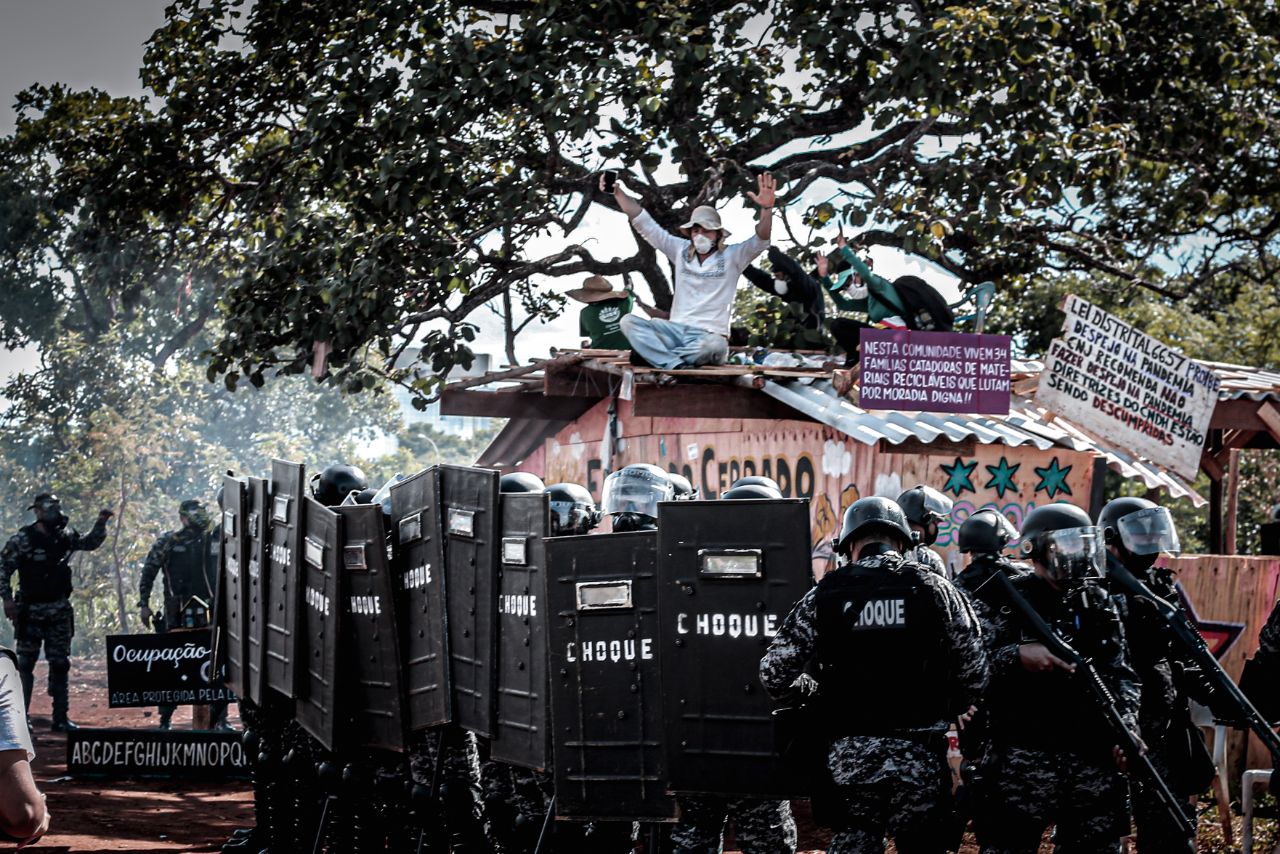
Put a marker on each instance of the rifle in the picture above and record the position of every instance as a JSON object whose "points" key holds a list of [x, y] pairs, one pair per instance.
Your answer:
{"points": [[1146, 774], [1227, 702]]}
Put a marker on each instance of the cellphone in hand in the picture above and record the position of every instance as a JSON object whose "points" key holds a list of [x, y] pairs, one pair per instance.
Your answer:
{"points": [[610, 180]]}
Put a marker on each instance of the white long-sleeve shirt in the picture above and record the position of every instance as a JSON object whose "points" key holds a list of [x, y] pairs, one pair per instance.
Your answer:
{"points": [[702, 294]]}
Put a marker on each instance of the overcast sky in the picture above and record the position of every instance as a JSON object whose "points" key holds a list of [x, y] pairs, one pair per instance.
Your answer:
{"points": [[86, 43]]}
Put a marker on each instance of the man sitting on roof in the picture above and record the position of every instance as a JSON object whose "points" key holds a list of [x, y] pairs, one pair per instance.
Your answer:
{"points": [[600, 321], [706, 278]]}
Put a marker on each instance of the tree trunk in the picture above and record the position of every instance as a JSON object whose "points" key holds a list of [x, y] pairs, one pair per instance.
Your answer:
{"points": [[508, 327], [115, 557]]}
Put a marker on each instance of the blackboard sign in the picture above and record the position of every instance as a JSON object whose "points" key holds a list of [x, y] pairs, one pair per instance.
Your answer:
{"points": [[173, 668], [155, 753]]}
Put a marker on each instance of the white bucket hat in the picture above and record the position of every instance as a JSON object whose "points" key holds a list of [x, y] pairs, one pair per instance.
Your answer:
{"points": [[707, 217]]}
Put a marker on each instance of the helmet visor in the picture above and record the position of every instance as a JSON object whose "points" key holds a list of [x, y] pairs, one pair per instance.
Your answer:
{"points": [[1149, 532], [632, 492], [569, 516], [936, 504], [1073, 554]]}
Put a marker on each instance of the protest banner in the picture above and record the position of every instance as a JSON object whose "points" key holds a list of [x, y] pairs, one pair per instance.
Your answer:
{"points": [[1126, 387], [173, 668], [934, 371]]}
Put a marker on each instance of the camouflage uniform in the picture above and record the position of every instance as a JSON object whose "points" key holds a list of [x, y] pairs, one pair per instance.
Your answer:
{"points": [[45, 614], [454, 751], [1050, 760], [1164, 714], [922, 554], [889, 780], [763, 827], [188, 559]]}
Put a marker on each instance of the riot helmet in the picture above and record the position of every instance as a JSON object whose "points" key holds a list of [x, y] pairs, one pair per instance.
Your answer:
{"points": [[986, 532], [926, 507], [1139, 529], [684, 490], [875, 515], [521, 481], [336, 482], [194, 513], [573, 511], [631, 495], [1062, 540], [364, 496], [757, 480], [48, 508], [750, 490]]}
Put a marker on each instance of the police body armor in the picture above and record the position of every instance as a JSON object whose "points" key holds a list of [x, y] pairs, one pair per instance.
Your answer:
{"points": [[729, 573], [878, 643], [319, 623], [418, 568], [522, 726], [369, 684], [46, 576], [253, 566], [284, 592], [606, 693], [231, 602], [469, 501], [191, 571]]}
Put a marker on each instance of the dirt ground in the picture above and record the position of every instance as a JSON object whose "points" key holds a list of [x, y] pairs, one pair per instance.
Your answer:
{"points": [[158, 815]]}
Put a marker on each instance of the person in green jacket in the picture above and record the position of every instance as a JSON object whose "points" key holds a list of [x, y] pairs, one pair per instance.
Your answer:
{"points": [[600, 321]]}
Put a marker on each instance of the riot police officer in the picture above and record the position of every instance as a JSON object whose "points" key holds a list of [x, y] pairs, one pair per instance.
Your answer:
{"points": [[983, 537], [573, 511], [899, 657], [631, 496], [926, 507], [188, 560], [332, 486], [1052, 761], [40, 555], [1136, 532]]}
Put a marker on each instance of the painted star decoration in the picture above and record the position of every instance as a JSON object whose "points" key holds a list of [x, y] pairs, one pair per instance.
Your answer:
{"points": [[1002, 477], [1053, 479], [1218, 636], [959, 476]]}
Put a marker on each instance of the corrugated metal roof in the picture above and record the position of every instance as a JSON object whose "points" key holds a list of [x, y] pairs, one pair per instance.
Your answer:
{"points": [[1238, 381], [1025, 424]]}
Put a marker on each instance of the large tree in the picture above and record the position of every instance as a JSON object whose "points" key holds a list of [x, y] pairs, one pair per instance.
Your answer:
{"points": [[347, 178]]}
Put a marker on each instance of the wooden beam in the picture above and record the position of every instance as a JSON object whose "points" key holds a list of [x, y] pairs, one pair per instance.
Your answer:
{"points": [[712, 400], [1232, 498], [1269, 414], [1239, 414], [1216, 540], [915, 447], [1210, 465], [513, 404], [576, 383]]}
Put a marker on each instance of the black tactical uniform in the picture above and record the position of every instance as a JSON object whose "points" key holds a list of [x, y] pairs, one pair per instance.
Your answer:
{"points": [[1175, 745], [899, 658], [188, 561], [40, 554], [1050, 760]]}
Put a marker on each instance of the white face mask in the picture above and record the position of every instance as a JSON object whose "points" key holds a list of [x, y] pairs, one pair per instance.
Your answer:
{"points": [[780, 286], [702, 244]]}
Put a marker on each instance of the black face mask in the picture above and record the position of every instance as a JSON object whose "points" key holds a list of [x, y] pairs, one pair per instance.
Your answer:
{"points": [[626, 522], [1138, 564], [52, 516]]}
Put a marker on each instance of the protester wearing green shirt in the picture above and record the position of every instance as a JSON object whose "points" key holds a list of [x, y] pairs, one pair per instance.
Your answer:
{"points": [[600, 320]]}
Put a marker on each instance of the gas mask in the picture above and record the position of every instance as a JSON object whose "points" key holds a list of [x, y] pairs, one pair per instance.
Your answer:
{"points": [[702, 244], [627, 522], [49, 511], [197, 516]]}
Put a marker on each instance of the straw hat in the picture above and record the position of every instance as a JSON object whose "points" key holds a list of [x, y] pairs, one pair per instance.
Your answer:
{"points": [[707, 217], [595, 289]]}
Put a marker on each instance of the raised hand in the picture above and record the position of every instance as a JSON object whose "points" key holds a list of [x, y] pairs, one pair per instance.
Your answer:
{"points": [[766, 191]]}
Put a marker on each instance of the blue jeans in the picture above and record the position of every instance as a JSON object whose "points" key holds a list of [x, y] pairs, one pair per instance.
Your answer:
{"points": [[669, 345]]}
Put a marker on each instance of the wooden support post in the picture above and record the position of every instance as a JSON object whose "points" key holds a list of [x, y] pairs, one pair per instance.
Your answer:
{"points": [[1215, 494], [1232, 500]]}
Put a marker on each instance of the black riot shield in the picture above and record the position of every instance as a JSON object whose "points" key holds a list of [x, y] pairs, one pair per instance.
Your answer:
{"points": [[729, 572], [232, 613], [469, 501], [286, 510], [417, 558], [319, 623], [370, 683], [256, 520], [522, 724], [606, 694]]}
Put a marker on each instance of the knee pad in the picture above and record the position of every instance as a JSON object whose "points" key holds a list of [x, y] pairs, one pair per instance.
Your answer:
{"points": [[59, 666]]}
